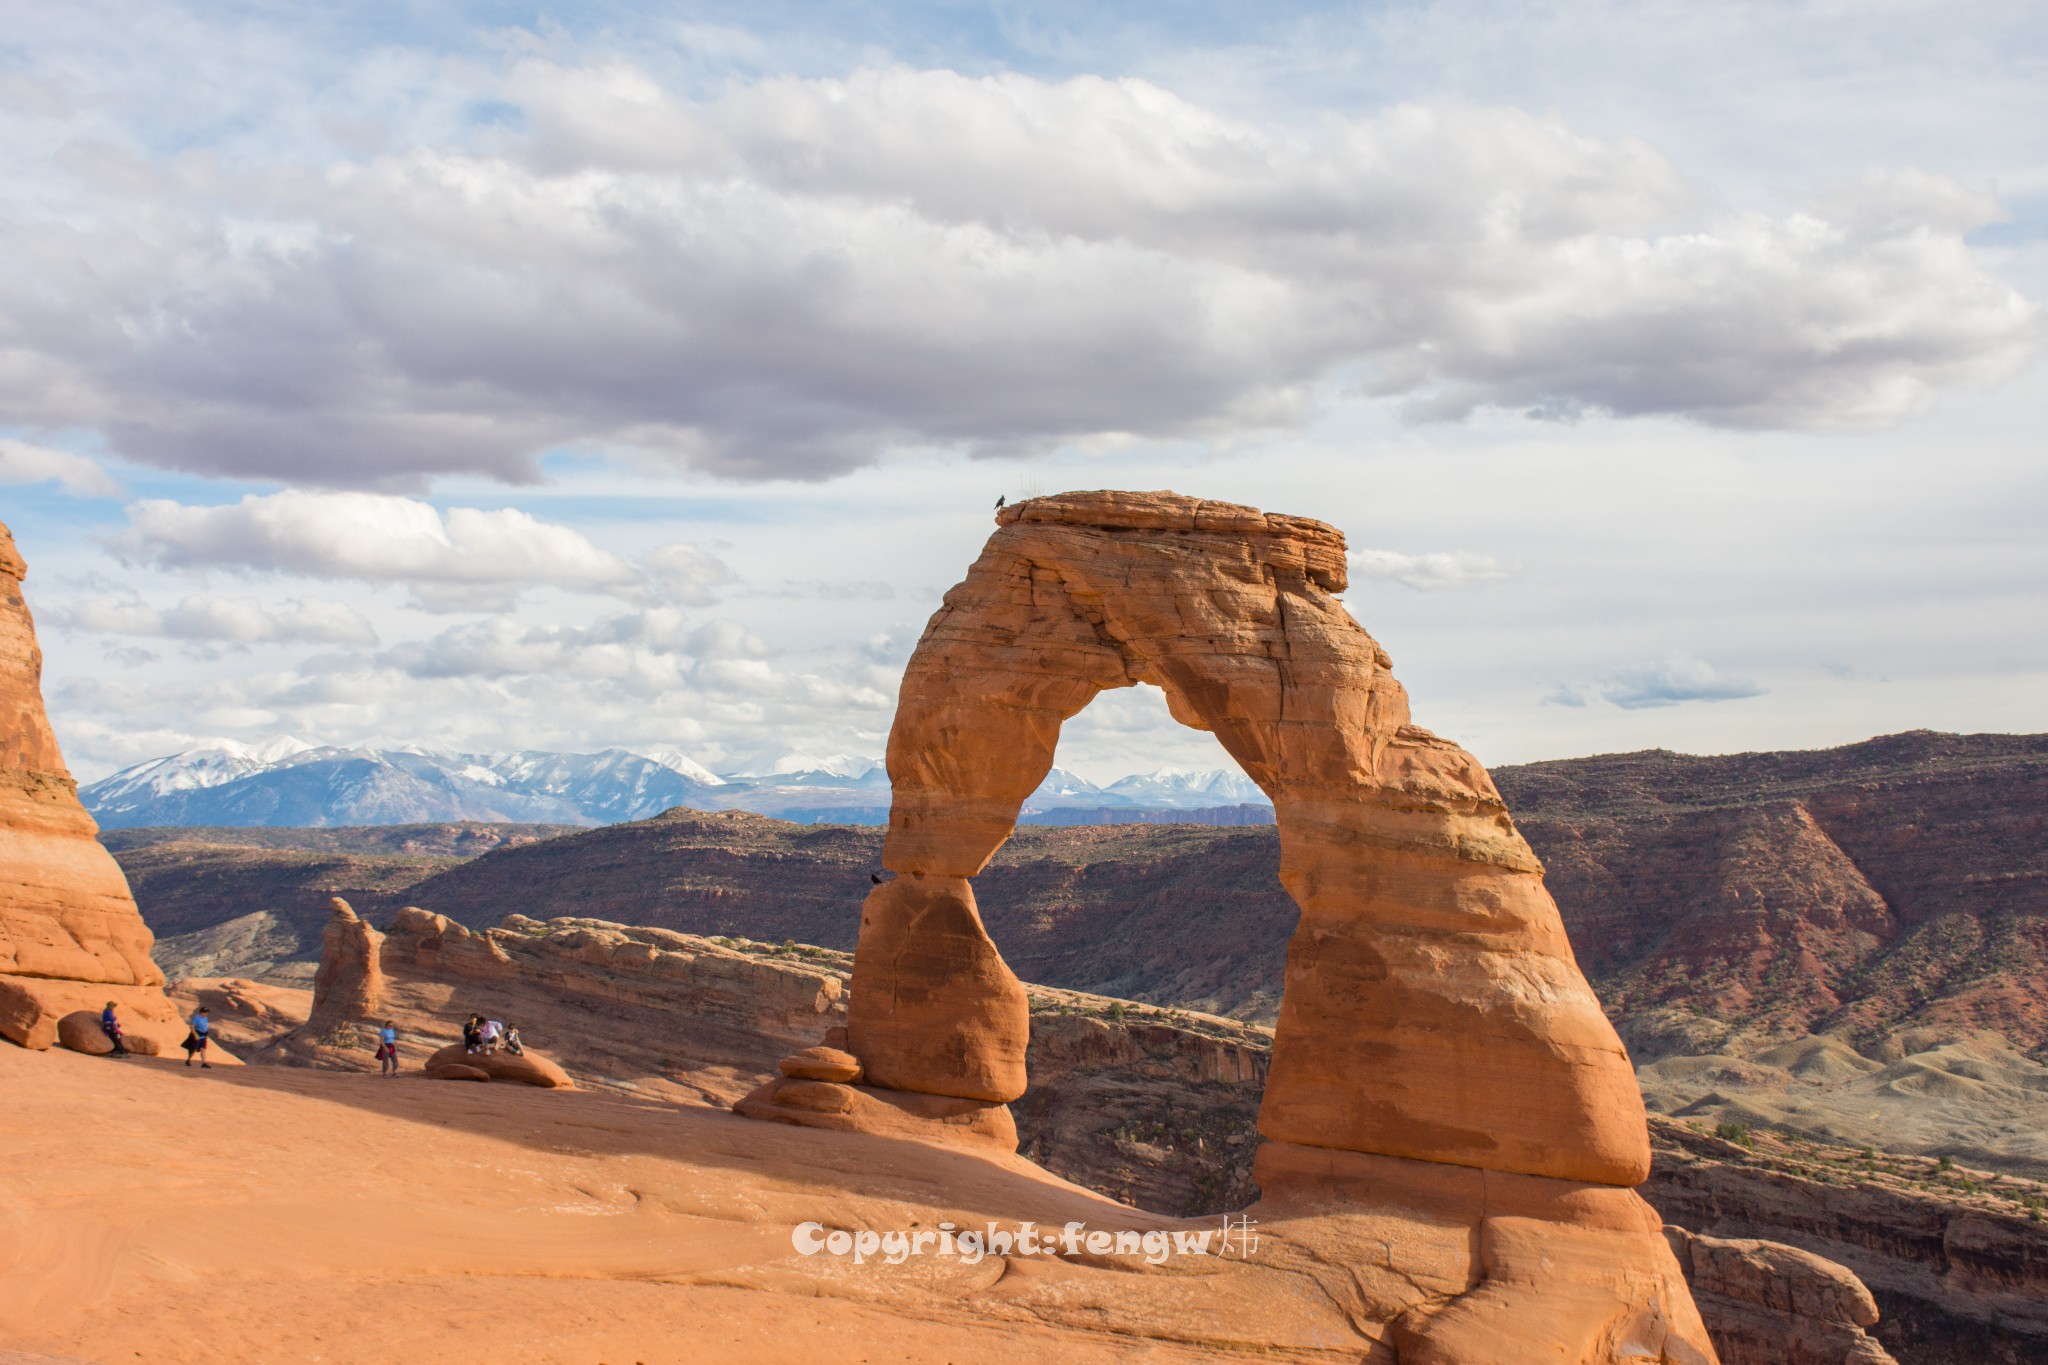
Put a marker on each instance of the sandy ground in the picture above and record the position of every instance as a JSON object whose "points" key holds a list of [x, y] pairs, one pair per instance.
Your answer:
{"points": [[153, 1213]]}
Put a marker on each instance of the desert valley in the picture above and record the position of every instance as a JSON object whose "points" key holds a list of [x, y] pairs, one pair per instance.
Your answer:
{"points": [[1174, 1138], [1346, 682]]}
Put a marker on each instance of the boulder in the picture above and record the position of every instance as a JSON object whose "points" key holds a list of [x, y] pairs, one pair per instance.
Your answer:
{"points": [[821, 1064], [31, 1007], [66, 915], [527, 1068], [80, 1031], [456, 1071]]}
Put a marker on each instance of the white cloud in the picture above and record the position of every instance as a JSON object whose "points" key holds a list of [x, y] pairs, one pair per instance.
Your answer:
{"points": [[228, 620], [21, 462], [644, 653], [1427, 572], [1669, 681], [465, 558], [805, 275]]}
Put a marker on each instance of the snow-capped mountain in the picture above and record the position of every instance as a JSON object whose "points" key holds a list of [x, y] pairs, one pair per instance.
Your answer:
{"points": [[290, 782], [1180, 789], [314, 785], [209, 765]]}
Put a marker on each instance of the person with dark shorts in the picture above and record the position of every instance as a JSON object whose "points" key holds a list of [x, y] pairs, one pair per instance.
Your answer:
{"points": [[387, 1049], [111, 1026], [197, 1039], [473, 1034], [512, 1043]]}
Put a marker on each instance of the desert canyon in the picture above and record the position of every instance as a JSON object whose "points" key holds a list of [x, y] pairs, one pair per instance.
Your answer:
{"points": [[1439, 1152]]}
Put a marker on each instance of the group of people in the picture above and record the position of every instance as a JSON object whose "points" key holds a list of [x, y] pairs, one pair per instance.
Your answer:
{"points": [[199, 1035], [481, 1035]]}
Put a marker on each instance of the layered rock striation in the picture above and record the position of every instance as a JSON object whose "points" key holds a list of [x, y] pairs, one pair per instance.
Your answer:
{"points": [[70, 936], [1437, 1047]]}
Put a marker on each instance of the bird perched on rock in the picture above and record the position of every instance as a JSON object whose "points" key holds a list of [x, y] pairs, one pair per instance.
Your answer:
{"points": [[1001, 498]]}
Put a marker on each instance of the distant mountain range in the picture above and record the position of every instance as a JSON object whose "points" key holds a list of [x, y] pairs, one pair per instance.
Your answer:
{"points": [[289, 782]]}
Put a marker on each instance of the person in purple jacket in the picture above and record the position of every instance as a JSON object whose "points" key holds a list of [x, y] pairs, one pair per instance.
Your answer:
{"points": [[111, 1026]]}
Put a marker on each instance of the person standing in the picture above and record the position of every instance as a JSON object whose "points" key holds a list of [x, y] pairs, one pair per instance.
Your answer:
{"points": [[111, 1026], [387, 1049], [198, 1038]]}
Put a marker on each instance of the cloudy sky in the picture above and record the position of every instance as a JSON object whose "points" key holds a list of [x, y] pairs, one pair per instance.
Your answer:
{"points": [[502, 377]]}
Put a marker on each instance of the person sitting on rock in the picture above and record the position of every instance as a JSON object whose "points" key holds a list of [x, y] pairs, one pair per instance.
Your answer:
{"points": [[493, 1032], [387, 1049], [111, 1026], [512, 1043], [198, 1038], [473, 1034]]}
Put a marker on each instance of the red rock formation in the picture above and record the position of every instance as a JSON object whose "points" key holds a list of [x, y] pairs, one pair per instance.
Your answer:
{"points": [[1771, 1304], [526, 1068], [1433, 1008], [1437, 1048], [70, 936], [350, 983]]}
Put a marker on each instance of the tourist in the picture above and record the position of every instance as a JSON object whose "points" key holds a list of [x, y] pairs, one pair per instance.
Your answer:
{"points": [[492, 1032], [512, 1043], [387, 1050], [473, 1034], [198, 1038], [111, 1026]]}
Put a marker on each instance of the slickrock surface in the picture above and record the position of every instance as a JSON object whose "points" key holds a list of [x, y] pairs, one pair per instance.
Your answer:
{"points": [[1437, 1050], [70, 936], [360, 1221]]}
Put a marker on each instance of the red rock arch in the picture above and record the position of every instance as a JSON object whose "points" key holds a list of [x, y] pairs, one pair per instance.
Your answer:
{"points": [[1432, 1009]]}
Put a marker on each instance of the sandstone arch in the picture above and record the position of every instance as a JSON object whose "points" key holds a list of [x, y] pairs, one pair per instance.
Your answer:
{"points": [[1433, 1008], [1451, 1122]]}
